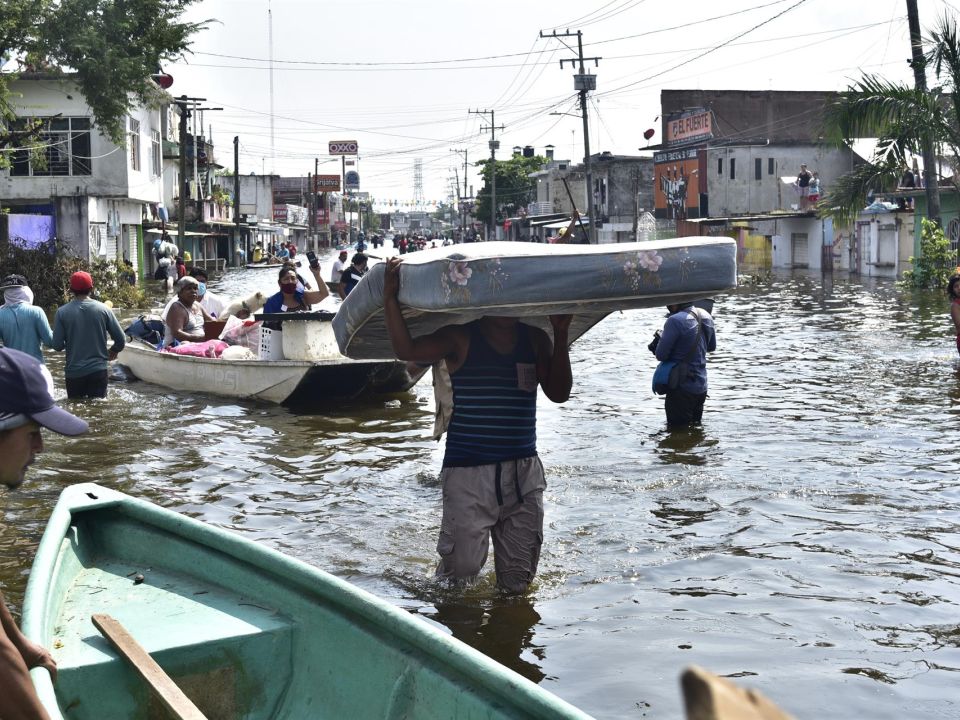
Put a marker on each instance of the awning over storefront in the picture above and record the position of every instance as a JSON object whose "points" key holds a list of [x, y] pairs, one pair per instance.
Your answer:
{"points": [[187, 233], [560, 224], [541, 220]]}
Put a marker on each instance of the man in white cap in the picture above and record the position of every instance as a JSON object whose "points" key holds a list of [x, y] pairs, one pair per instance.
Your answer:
{"points": [[25, 407]]}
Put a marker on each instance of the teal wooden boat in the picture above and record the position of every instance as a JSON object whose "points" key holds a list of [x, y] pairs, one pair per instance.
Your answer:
{"points": [[245, 631]]}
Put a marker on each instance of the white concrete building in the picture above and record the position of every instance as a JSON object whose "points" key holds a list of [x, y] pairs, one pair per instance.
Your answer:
{"points": [[98, 192]]}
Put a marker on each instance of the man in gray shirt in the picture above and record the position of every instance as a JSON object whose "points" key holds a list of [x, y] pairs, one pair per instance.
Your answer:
{"points": [[82, 326]]}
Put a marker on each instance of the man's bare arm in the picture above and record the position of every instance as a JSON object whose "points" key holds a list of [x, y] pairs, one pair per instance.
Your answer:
{"points": [[445, 344], [553, 362]]}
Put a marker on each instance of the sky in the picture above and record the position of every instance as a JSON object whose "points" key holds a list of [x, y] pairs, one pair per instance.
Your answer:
{"points": [[401, 77]]}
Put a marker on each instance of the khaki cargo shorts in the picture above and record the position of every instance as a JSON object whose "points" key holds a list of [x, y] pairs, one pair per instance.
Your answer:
{"points": [[502, 500]]}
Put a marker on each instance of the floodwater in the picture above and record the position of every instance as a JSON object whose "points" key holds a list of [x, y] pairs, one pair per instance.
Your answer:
{"points": [[805, 542]]}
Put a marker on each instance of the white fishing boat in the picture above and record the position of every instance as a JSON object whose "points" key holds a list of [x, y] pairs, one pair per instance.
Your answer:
{"points": [[299, 366]]}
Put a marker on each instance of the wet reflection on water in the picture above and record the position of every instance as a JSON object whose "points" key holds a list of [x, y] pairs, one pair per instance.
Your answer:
{"points": [[804, 539]]}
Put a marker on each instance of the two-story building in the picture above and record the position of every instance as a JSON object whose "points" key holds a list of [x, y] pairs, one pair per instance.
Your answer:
{"points": [[729, 161], [95, 192], [622, 192]]}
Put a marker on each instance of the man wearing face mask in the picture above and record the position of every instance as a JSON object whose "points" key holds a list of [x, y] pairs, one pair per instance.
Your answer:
{"points": [[186, 316], [23, 326]]}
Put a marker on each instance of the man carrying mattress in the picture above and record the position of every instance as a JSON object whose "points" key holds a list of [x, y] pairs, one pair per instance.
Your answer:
{"points": [[492, 478]]}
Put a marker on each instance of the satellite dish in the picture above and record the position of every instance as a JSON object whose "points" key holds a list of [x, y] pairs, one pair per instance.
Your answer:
{"points": [[647, 134], [162, 79]]}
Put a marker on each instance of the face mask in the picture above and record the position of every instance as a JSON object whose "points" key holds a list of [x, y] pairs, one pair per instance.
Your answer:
{"points": [[201, 289]]}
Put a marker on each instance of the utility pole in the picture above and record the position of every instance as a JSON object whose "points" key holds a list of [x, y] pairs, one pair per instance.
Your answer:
{"points": [[462, 199], [315, 206], [494, 144], [182, 102], [931, 179], [236, 194], [583, 83], [456, 187]]}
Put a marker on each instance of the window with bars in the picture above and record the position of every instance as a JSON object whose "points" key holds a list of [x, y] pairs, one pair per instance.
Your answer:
{"points": [[134, 146], [62, 147], [156, 163]]}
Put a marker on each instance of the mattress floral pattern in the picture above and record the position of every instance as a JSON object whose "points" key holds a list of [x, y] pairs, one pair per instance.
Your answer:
{"points": [[457, 284]]}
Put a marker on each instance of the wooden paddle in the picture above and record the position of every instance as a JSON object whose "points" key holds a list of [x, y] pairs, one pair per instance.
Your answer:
{"points": [[172, 697], [574, 204], [708, 697]]}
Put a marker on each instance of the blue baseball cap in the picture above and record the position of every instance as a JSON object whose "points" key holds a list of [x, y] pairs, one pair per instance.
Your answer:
{"points": [[24, 396]]}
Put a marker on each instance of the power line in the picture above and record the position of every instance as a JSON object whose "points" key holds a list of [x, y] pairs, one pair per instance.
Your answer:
{"points": [[707, 52]]}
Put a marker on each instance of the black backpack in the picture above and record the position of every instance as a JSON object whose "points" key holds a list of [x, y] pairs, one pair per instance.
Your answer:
{"points": [[148, 328]]}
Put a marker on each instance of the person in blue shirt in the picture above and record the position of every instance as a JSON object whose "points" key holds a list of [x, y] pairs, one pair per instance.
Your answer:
{"points": [[23, 326], [688, 335], [292, 297]]}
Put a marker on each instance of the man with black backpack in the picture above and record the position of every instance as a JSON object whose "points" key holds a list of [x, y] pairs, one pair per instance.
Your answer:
{"points": [[688, 335]]}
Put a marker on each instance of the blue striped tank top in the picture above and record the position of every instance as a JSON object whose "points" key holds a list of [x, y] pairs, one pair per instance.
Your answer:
{"points": [[494, 404]]}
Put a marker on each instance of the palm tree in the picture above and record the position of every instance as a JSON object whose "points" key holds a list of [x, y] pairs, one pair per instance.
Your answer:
{"points": [[902, 118]]}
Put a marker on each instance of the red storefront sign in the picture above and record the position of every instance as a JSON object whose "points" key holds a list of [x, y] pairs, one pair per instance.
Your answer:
{"points": [[328, 183]]}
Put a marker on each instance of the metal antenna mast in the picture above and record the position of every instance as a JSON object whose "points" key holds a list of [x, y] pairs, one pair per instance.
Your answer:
{"points": [[418, 181], [273, 154]]}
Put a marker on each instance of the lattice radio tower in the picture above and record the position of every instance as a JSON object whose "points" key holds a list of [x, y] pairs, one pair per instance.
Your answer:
{"points": [[418, 182]]}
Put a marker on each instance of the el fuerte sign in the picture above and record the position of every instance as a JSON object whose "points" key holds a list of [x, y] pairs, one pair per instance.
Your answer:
{"points": [[689, 126]]}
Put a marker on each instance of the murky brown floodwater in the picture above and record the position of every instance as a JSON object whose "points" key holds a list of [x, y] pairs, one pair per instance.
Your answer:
{"points": [[805, 542]]}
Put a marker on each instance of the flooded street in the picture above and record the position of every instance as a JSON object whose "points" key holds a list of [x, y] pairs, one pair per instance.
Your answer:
{"points": [[806, 542]]}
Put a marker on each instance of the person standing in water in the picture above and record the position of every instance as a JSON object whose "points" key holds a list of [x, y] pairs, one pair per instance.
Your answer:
{"points": [[953, 292]]}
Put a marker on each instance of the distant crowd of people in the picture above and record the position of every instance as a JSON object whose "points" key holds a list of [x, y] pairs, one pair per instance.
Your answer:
{"points": [[275, 253]]}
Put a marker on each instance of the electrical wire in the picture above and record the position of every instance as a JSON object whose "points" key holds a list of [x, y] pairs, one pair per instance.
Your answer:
{"points": [[707, 52]]}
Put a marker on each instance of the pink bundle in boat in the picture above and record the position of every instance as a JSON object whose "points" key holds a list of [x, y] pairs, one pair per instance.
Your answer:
{"points": [[207, 348]]}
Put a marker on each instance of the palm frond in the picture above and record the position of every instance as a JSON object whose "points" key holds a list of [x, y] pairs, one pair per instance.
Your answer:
{"points": [[847, 196]]}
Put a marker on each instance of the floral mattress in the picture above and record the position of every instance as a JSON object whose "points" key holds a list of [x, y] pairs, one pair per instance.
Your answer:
{"points": [[461, 283]]}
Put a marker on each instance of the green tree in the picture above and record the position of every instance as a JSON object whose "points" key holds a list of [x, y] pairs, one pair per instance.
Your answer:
{"points": [[936, 262], [515, 189], [902, 118], [108, 47]]}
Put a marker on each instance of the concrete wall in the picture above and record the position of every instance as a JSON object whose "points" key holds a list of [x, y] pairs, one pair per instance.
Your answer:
{"points": [[774, 115], [627, 187], [885, 242], [745, 194], [796, 242]]}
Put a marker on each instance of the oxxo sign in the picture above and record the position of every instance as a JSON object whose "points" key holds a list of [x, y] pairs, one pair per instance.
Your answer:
{"points": [[343, 147]]}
